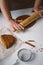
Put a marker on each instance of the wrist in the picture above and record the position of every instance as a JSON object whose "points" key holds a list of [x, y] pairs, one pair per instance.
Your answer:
{"points": [[36, 9], [9, 20]]}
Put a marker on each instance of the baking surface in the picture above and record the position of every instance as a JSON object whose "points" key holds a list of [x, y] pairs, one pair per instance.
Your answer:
{"points": [[34, 32], [6, 52]]}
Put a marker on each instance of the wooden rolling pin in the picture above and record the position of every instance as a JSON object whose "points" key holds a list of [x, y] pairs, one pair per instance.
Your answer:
{"points": [[30, 19]]}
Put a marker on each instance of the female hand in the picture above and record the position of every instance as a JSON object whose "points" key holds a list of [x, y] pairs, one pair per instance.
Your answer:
{"points": [[15, 26], [40, 12]]}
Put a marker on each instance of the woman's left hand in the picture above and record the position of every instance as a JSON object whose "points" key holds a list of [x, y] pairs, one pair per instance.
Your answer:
{"points": [[40, 12]]}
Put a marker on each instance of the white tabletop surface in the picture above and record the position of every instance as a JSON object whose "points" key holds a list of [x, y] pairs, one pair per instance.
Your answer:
{"points": [[33, 33]]}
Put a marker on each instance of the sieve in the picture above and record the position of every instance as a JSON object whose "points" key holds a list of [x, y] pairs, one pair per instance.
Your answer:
{"points": [[24, 54]]}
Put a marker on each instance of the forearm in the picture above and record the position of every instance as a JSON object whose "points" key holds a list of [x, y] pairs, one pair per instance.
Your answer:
{"points": [[37, 3], [5, 9]]}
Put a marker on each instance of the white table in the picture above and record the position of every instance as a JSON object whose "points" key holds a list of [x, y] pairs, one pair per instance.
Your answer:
{"points": [[33, 33]]}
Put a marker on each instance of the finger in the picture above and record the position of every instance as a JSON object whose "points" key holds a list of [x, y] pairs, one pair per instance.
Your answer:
{"points": [[21, 27], [17, 27], [14, 29], [40, 13], [42, 10]]}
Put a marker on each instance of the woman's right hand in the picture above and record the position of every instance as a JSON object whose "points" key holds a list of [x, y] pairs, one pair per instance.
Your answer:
{"points": [[15, 26]]}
